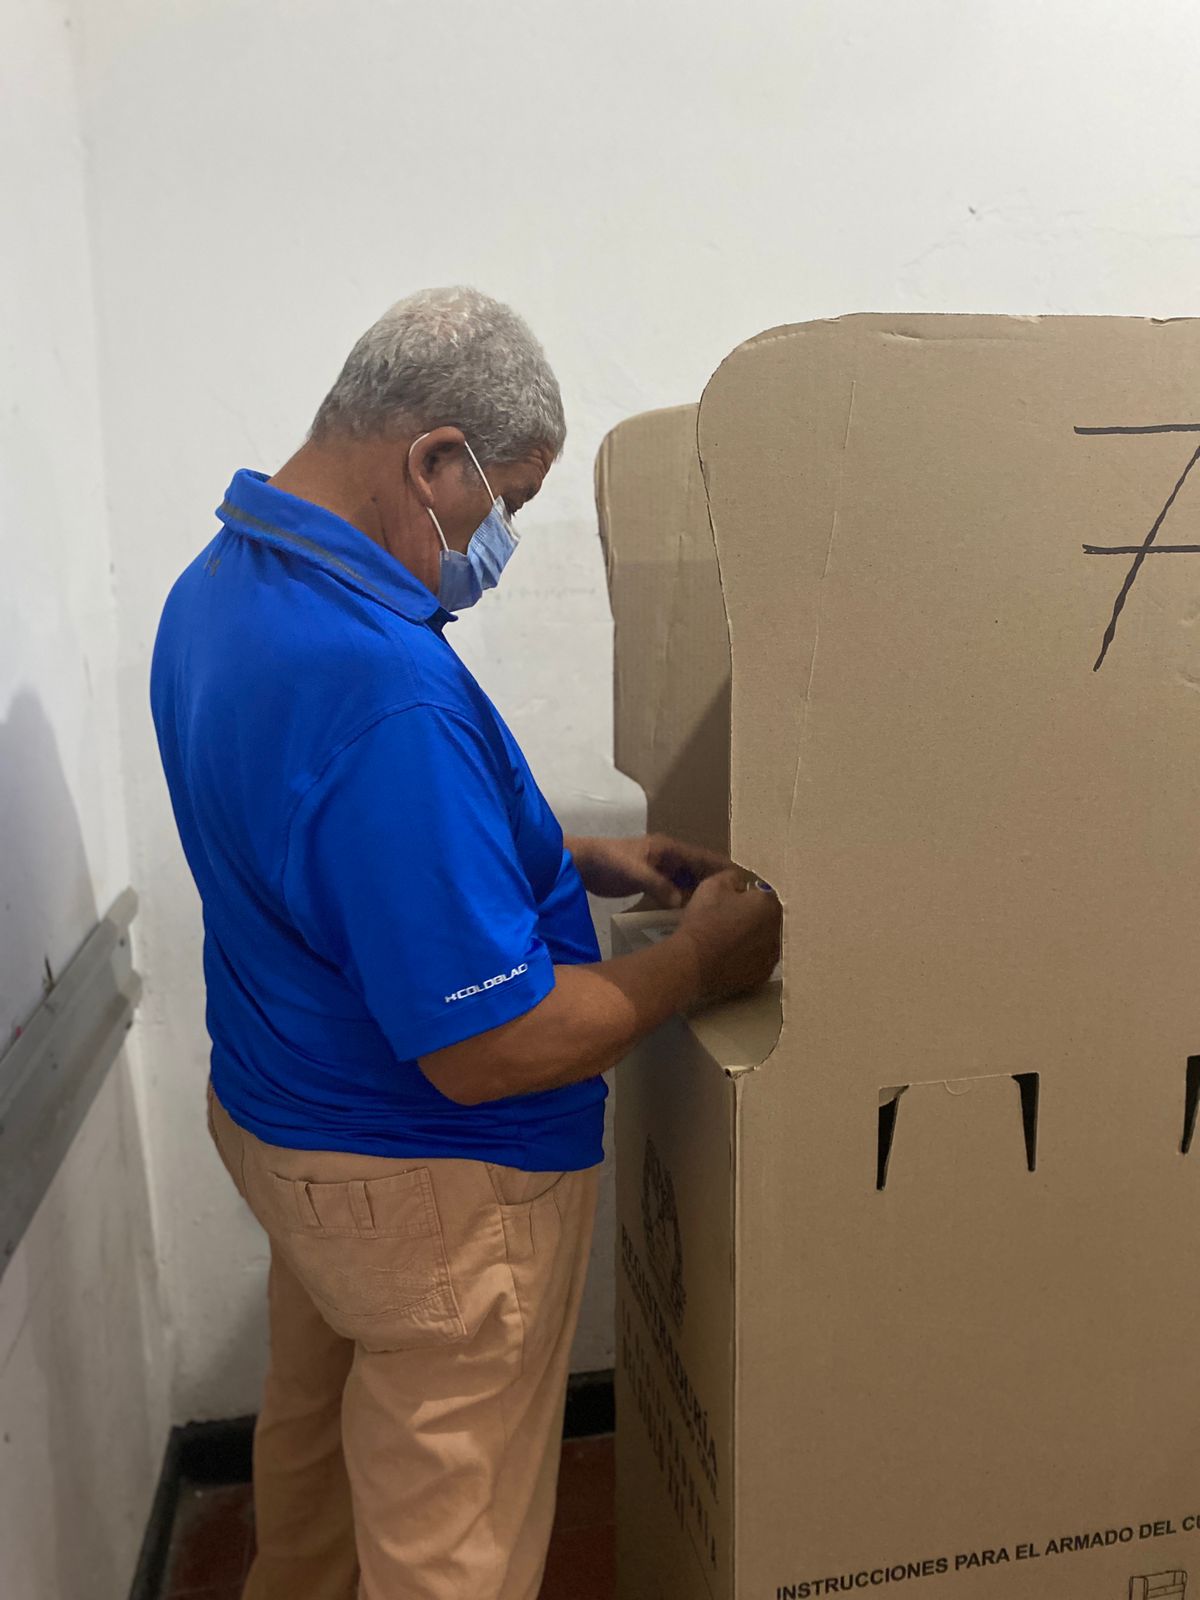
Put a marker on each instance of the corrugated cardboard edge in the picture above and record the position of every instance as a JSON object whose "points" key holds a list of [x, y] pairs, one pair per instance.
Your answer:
{"points": [[635, 926], [737, 1257]]}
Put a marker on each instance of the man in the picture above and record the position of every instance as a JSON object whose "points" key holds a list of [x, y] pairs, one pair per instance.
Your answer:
{"points": [[408, 1012]]}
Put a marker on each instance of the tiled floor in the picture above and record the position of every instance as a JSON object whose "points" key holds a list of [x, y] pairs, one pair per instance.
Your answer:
{"points": [[583, 1557], [213, 1536]]}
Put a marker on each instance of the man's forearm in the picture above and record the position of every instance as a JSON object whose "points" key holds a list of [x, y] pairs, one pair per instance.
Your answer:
{"points": [[581, 854], [587, 1023]]}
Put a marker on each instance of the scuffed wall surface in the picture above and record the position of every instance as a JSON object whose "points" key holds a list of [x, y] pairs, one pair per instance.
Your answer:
{"points": [[83, 1380]]}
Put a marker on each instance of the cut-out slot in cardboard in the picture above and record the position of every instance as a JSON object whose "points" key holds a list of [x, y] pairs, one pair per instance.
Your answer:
{"points": [[971, 1113], [1191, 1102], [889, 1106], [1030, 1085]]}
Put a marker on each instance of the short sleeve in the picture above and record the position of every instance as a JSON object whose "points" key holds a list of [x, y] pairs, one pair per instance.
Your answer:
{"points": [[402, 871]]}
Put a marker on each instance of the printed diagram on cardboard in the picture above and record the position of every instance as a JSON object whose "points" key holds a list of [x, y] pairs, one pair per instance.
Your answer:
{"points": [[1161, 1586], [1148, 546], [664, 1242]]}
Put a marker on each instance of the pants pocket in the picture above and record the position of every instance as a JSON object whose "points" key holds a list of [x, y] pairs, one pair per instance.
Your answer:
{"points": [[370, 1252], [512, 1187]]}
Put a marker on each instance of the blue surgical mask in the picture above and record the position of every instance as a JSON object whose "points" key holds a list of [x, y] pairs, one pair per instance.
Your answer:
{"points": [[465, 575]]}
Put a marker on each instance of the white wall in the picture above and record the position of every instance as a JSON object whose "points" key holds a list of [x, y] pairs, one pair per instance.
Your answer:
{"points": [[650, 183], [83, 1390]]}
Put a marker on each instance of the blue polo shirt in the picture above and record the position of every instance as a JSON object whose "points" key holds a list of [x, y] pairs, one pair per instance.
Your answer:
{"points": [[380, 874]]}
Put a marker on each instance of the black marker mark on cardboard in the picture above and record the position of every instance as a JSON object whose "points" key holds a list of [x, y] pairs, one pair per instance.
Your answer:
{"points": [[1157, 427], [1140, 552], [1132, 549]]}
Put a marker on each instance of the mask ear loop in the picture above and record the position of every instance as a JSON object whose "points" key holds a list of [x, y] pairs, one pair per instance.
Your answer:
{"points": [[431, 511], [496, 500]]}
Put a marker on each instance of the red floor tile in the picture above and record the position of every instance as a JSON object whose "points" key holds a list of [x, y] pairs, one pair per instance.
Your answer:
{"points": [[582, 1566], [210, 1543], [586, 1485], [213, 1537]]}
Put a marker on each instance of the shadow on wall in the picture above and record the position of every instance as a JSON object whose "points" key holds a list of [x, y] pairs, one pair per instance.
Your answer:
{"points": [[47, 901], [75, 1300]]}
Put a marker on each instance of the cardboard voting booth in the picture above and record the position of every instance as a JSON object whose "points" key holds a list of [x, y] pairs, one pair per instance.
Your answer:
{"points": [[909, 1255], [671, 645]]}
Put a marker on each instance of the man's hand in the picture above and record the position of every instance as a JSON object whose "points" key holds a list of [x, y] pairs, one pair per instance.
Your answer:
{"points": [[726, 944], [665, 869], [736, 931]]}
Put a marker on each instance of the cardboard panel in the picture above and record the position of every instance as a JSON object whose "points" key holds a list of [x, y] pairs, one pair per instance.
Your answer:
{"points": [[984, 826], [675, 1303], [671, 683], [965, 750]]}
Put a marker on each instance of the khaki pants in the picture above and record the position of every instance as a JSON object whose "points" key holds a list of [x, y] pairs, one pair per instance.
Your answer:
{"points": [[421, 1316]]}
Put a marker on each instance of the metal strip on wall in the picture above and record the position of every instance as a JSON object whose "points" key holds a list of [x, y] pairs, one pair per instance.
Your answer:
{"points": [[51, 1072]]}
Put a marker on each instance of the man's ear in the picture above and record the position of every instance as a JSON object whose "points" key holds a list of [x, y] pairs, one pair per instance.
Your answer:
{"points": [[430, 455]]}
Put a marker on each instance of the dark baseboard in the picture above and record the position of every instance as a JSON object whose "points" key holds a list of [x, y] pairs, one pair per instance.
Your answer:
{"points": [[156, 1541], [198, 1452], [219, 1452], [216, 1452], [591, 1408]]}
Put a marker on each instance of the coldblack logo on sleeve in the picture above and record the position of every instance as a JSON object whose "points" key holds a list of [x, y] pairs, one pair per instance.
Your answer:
{"points": [[488, 983]]}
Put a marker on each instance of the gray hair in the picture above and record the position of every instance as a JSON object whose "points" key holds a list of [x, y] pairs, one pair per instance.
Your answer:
{"points": [[449, 357]]}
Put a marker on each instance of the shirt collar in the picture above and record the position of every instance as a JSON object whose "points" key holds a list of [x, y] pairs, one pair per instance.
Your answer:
{"points": [[256, 509]]}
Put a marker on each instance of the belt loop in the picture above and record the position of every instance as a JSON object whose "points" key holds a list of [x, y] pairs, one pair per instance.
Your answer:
{"points": [[360, 1206], [306, 1212]]}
